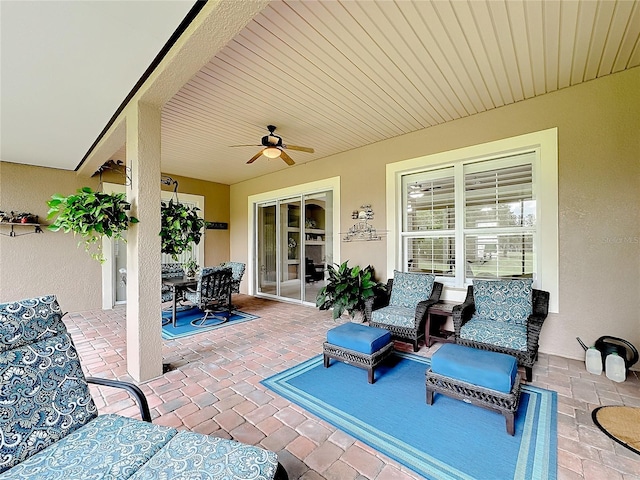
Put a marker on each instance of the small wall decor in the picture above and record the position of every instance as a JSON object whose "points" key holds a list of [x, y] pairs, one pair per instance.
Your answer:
{"points": [[216, 225], [24, 219], [362, 230]]}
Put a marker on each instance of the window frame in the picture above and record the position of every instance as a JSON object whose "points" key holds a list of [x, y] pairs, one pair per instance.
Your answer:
{"points": [[545, 185]]}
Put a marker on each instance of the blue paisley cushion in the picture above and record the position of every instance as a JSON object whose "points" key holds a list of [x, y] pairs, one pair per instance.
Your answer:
{"points": [[43, 396], [393, 315], [192, 456], [169, 270], [167, 296], [410, 288], [28, 321], [110, 447], [195, 297], [504, 300], [501, 334]]}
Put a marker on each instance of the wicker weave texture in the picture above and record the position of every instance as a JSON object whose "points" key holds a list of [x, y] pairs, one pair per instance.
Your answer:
{"points": [[504, 403], [358, 359]]}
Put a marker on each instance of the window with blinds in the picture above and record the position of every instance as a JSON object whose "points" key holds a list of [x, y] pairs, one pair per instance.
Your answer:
{"points": [[429, 222], [477, 219]]}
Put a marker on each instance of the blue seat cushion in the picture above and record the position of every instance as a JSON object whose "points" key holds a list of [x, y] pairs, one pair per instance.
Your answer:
{"points": [[358, 337], [108, 447], [192, 456], [397, 316], [491, 370], [501, 334]]}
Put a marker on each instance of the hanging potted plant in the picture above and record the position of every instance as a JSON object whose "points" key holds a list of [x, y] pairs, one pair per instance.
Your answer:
{"points": [[346, 290], [91, 215], [180, 227]]}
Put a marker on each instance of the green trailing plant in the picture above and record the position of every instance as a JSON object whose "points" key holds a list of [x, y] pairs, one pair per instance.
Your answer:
{"points": [[190, 268], [180, 227], [91, 215], [347, 289]]}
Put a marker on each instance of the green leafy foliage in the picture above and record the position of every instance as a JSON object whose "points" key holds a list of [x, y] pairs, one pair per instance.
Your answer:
{"points": [[180, 227], [347, 288], [91, 215]]}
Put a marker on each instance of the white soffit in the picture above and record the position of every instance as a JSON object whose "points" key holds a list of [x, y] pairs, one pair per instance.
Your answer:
{"points": [[66, 66]]}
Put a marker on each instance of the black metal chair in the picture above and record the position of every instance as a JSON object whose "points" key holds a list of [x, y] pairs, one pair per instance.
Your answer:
{"points": [[313, 272], [237, 271], [212, 295]]}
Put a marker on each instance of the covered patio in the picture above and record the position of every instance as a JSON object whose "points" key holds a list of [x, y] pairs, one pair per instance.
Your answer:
{"points": [[214, 388]]}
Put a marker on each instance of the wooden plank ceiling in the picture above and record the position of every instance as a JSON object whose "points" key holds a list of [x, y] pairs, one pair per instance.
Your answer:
{"points": [[337, 75]]}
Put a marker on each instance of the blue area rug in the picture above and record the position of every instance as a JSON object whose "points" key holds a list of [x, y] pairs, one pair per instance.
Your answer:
{"points": [[447, 440], [184, 317]]}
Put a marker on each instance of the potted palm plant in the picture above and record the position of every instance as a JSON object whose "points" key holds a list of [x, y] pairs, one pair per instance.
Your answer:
{"points": [[346, 290], [91, 215], [180, 227]]}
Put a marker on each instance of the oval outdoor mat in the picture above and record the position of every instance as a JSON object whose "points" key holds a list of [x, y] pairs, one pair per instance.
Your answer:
{"points": [[620, 423]]}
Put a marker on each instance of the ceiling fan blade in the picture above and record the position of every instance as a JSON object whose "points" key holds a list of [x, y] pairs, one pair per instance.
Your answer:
{"points": [[256, 156], [300, 149], [286, 158], [245, 145]]}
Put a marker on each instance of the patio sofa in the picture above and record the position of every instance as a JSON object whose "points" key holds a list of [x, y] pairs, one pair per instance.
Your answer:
{"points": [[50, 427]]}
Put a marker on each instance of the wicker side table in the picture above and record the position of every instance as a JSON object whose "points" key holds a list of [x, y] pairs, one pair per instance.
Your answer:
{"points": [[434, 328]]}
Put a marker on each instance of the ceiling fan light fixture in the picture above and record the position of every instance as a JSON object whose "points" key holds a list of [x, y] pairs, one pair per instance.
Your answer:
{"points": [[272, 152]]}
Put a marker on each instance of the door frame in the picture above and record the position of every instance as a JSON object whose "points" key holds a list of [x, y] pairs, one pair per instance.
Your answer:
{"points": [[332, 184]]}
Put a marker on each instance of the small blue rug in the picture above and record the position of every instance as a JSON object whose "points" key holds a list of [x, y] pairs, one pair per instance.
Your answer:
{"points": [[184, 317], [447, 440]]}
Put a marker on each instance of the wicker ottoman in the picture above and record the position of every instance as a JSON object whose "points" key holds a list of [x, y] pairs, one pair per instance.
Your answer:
{"points": [[358, 345], [483, 378]]}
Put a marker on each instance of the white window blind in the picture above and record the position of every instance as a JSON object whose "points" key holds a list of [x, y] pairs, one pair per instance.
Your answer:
{"points": [[429, 221], [486, 208]]}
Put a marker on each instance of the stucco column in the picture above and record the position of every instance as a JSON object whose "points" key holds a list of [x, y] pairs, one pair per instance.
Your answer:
{"points": [[144, 325]]}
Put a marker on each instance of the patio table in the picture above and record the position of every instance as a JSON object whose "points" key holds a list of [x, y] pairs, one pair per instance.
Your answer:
{"points": [[177, 285]]}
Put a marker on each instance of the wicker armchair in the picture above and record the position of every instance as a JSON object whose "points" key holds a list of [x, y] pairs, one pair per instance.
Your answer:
{"points": [[402, 309], [237, 270], [213, 294], [508, 320]]}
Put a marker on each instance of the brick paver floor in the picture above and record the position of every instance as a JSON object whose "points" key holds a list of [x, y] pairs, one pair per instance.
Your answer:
{"points": [[214, 388]]}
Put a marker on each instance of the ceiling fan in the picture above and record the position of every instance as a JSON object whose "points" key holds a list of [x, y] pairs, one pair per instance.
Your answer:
{"points": [[274, 148]]}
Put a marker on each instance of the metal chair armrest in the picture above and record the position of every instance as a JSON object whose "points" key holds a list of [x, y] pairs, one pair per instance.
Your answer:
{"points": [[133, 390]]}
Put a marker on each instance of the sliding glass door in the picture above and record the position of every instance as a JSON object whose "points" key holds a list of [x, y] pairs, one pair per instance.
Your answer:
{"points": [[266, 256], [294, 238]]}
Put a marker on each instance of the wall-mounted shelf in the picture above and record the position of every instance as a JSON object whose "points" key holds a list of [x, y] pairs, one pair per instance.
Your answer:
{"points": [[12, 230]]}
